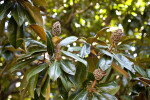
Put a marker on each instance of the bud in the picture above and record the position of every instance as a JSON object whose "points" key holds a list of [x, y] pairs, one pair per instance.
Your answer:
{"points": [[116, 36], [56, 29], [98, 74]]}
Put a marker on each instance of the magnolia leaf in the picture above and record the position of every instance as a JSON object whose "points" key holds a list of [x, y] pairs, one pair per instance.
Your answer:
{"points": [[39, 31], [5, 9], [65, 81], [62, 89], [111, 88], [81, 95], [54, 70], [74, 56], [15, 33], [34, 12], [22, 64], [120, 70], [81, 73], [45, 86], [50, 45], [140, 71], [124, 62], [36, 70], [68, 40], [105, 62], [85, 50], [68, 67], [32, 85], [18, 14]]}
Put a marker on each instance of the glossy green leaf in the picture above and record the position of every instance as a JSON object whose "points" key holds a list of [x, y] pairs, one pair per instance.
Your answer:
{"points": [[71, 49], [81, 73], [32, 85], [85, 50], [65, 81], [18, 14], [105, 96], [21, 64], [31, 53], [68, 40], [124, 62], [36, 70], [98, 97], [62, 89], [15, 33], [54, 70], [81, 95], [50, 45], [4, 9], [140, 70], [35, 42], [45, 86], [68, 67], [105, 62], [101, 47], [74, 56], [111, 88], [106, 52]]}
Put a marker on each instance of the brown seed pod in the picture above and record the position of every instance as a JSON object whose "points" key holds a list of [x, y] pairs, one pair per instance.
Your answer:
{"points": [[56, 29], [98, 74], [116, 36]]}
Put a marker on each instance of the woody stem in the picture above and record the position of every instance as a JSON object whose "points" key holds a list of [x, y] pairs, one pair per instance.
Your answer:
{"points": [[93, 85]]}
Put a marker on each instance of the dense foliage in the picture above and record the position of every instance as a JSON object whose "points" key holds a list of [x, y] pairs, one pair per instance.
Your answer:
{"points": [[83, 61]]}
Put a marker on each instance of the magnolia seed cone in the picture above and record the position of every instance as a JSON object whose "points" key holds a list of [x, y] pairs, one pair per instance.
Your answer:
{"points": [[98, 74], [116, 36], [56, 29]]}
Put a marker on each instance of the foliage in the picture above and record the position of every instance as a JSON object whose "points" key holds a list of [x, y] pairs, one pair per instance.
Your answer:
{"points": [[60, 67]]}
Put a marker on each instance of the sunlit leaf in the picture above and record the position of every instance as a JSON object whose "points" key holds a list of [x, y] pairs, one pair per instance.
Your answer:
{"points": [[39, 31], [74, 56], [85, 50], [54, 70], [68, 67], [68, 40], [105, 62], [124, 62], [111, 88]]}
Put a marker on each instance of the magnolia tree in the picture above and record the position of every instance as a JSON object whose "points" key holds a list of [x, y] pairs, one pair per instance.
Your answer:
{"points": [[63, 67]]}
